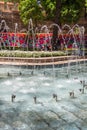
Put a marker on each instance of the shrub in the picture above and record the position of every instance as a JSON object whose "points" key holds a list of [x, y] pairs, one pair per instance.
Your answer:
{"points": [[29, 54]]}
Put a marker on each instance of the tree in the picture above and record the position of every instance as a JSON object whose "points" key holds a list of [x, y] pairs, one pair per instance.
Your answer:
{"points": [[59, 11], [55, 41], [49, 6], [71, 10], [65, 11], [30, 9], [85, 13]]}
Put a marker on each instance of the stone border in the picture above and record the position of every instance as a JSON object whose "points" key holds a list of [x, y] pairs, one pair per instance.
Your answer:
{"points": [[45, 61]]}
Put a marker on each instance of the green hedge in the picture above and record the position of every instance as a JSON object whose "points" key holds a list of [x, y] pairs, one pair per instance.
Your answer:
{"points": [[29, 54]]}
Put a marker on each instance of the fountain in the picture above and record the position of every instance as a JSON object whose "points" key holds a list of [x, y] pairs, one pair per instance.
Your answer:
{"points": [[39, 101]]}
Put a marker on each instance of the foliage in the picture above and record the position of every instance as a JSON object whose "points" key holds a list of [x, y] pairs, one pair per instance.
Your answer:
{"points": [[45, 9], [86, 3], [49, 6], [70, 10], [30, 9], [29, 54]]}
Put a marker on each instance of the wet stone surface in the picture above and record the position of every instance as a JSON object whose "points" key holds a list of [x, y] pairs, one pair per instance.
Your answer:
{"points": [[65, 113]]}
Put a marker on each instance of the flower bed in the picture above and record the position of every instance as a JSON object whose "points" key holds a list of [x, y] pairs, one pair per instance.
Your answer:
{"points": [[41, 41]]}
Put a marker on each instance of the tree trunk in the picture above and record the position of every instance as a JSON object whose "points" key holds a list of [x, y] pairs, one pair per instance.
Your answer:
{"points": [[55, 41]]}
